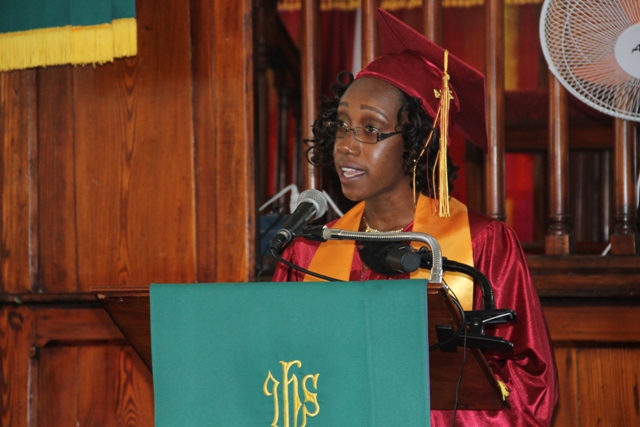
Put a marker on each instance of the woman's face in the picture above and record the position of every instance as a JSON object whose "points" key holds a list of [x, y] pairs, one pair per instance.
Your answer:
{"points": [[370, 171]]}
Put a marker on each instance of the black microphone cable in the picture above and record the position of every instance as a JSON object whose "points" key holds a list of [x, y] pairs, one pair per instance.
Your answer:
{"points": [[277, 256]]}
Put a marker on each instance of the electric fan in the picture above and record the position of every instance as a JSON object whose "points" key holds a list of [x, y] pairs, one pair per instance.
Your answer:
{"points": [[593, 49]]}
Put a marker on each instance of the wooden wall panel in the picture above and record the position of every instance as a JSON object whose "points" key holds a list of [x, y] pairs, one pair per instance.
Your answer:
{"points": [[57, 372], [18, 201], [598, 386], [134, 158], [56, 180], [597, 353], [116, 377], [566, 414], [57, 386], [16, 329], [116, 169], [234, 212], [608, 387], [204, 104], [223, 99]]}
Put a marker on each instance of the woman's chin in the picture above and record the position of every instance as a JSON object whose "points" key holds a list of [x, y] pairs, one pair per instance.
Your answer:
{"points": [[354, 196]]}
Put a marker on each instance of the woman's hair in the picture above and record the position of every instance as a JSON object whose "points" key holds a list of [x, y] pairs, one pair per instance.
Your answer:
{"points": [[414, 133]]}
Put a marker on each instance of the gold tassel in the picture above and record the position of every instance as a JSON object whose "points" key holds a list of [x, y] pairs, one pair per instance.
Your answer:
{"points": [[445, 101], [441, 194]]}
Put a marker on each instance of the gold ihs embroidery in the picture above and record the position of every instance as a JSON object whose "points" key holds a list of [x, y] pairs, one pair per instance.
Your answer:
{"points": [[287, 382]]}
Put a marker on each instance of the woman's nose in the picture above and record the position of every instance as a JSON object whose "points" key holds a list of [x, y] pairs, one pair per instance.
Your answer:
{"points": [[348, 144]]}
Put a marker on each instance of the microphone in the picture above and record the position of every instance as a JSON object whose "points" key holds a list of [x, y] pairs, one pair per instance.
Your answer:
{"points": [[311, 205], [389, 258]]}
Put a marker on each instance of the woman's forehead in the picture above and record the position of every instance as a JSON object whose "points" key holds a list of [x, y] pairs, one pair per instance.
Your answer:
{"points": [[373, 94]]}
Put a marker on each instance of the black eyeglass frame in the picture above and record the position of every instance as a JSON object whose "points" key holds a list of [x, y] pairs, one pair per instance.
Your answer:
{"points": [[379, 136]]}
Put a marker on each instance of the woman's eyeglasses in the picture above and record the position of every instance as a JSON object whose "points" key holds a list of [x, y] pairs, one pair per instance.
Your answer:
{"points": [[362, 134]]}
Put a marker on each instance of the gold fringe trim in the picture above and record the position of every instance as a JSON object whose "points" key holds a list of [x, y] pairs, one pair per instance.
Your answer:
{"points": [[325, 5], [462, 3], [400, 4], [91, 45], [125, 37], [349, 5], [94, 44]]}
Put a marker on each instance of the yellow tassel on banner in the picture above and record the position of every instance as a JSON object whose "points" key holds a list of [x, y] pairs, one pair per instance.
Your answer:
{"points": [[25, 49], [94, 44], [125, 37]]}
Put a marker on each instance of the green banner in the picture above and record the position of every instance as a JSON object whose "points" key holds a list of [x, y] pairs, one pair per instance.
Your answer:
{"points": [[54, 32], [290, 354]]}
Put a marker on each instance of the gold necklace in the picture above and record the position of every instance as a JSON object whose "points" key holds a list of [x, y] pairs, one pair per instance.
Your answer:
{"points": [[369, 229]]}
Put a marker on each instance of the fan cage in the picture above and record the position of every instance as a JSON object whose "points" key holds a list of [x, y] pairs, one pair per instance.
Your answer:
{"points": [[578, 40]]}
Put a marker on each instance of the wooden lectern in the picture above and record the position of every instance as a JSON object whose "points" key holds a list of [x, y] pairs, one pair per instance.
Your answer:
{"points": [[478, 389]]}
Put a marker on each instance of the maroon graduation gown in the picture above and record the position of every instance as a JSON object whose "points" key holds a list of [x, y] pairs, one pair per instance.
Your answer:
{"points": [[529, 372]]}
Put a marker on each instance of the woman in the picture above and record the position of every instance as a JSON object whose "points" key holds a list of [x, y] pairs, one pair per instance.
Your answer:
{"points": [[385, 133]]}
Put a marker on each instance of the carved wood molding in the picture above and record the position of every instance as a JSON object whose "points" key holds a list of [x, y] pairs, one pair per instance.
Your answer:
{"points": [[586, 276]]}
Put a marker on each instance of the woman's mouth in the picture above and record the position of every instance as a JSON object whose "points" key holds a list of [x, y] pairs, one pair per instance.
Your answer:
{"points": [[349, 174]]}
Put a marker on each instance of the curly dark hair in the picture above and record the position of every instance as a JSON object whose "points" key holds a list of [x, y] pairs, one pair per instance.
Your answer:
{"points": [[415, 132]]}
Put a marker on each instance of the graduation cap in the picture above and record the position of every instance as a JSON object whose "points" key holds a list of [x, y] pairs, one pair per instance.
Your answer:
{"points": [[450, 91]]}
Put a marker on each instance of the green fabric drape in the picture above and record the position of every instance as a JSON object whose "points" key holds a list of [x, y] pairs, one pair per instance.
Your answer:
{"points": [[37, 33]]}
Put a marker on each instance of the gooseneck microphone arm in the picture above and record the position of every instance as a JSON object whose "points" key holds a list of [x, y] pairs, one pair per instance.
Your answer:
{"points": [[323, 233]]}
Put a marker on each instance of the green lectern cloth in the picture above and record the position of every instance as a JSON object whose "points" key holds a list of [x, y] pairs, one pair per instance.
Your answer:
{"points": [[286, 354]]}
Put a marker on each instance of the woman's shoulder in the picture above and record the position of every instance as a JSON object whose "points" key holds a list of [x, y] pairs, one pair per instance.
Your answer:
{"points": [[483, 227], [479, 222]]}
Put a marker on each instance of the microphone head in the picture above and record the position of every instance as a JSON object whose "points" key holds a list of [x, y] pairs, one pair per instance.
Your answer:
{"points": [[317, 198], [374, 254], [388, 258]]}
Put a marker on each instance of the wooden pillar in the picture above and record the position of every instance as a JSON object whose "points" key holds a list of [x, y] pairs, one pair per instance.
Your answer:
{"points": [[369, 32], [432, 20], [310, 76], [494, 72], [559, 239], [624, 240], [606, 191], [284, 161]]}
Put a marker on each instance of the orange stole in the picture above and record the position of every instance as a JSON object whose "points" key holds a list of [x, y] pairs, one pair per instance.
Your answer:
{"points": [[334, 257]]}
